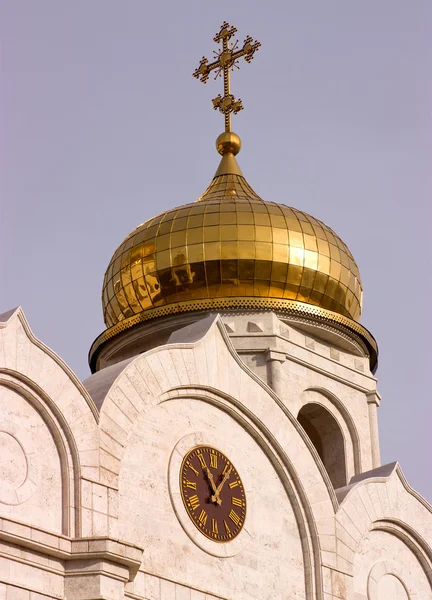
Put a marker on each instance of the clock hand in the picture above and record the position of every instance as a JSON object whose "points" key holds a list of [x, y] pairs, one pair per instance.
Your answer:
{"points": [[216, 498], [210, 478]]}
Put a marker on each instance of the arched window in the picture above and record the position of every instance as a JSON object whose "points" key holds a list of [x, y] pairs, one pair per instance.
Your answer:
{"points": [[325, 434]]}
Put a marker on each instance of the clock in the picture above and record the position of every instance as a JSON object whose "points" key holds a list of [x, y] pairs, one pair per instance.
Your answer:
{"points": [[212, 493]]}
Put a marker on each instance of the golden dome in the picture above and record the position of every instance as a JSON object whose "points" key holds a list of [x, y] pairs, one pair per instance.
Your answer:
{"points": [[230, 249]]}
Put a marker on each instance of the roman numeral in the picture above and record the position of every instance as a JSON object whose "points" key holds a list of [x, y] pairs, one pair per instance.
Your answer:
{"points": [[215, 527], [193, 468], [201, 459], [203, 518], [236, 502], [191, 485], [234, 484], [194, 501], [227, 466], [213, 461], [234, 517], [227, 529]]}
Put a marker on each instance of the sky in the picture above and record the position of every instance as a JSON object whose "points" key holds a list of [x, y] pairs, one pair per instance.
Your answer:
{"points": [[102, 126]]}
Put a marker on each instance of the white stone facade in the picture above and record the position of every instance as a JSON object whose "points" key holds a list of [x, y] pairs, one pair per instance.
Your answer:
{"points": [[89, 498]]}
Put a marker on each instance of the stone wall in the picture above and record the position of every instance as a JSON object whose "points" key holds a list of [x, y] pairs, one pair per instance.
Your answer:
{"points": [[104, 519]]}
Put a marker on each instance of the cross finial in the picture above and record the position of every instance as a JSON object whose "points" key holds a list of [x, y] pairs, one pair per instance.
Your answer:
{"points": [[226, 58]]}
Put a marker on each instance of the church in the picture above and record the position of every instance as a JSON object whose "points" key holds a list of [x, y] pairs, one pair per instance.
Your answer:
{"points": [[226, 445]]}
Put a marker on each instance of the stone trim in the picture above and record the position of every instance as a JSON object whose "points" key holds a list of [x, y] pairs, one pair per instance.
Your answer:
{"points": [[273, 355], [352, 337], [19, 314], [69, 549], [319, 370], [309, 348], [338, 378]]}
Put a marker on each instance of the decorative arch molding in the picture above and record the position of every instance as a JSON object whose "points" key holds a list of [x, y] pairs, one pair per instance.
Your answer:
{"points": [[342, 414], [19, 315], [419, 547], [56, 424], [361, 504], [383, 569]]}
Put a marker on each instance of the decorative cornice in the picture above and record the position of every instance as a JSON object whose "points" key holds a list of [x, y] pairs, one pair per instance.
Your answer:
{"points": [[356, 340], [286, 307], [71, 549]]}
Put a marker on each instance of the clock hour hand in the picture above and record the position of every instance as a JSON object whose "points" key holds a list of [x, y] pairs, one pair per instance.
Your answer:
{"points": [[213, 486], [210, 478], [216, 498]]}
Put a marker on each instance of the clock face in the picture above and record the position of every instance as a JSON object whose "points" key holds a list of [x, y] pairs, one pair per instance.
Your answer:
{"points": [[213, 493]]}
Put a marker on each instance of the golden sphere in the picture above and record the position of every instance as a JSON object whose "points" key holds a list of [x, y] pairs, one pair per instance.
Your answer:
{"points": [[228, 141]]}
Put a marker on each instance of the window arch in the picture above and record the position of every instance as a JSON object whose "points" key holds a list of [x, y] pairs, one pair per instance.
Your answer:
{"points": [[327, 437]]}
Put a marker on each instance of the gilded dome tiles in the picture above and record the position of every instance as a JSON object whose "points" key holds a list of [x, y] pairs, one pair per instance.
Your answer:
{"points": [[230, 244]]}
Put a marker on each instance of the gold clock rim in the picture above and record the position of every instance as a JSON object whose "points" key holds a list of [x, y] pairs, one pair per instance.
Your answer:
{"points": [[185, 505]]}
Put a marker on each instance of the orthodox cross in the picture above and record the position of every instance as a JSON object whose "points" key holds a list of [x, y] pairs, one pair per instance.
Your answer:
{"points": [[226, 59]]}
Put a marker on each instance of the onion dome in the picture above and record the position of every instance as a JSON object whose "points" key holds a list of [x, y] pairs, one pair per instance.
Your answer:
{"points": [[230, 249]]}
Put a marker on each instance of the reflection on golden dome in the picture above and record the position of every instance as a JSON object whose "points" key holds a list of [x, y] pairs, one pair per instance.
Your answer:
{"points": [[229, 249]]}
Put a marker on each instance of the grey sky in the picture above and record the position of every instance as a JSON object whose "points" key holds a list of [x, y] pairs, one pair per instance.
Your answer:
{"points": [[103, 126]]}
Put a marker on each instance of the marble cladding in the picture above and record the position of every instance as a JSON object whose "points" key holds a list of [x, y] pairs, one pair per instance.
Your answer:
{"points": [[98, 517]]}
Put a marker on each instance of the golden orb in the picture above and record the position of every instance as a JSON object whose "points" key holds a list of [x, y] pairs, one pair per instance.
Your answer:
{"points": [[228, 141]]}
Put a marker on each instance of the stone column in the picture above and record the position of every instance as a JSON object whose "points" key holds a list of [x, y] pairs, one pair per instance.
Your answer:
{"points": [[275, 359], [373, 401]]}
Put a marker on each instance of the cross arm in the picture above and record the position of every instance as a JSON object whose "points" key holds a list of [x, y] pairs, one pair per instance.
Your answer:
{"points": [[248, 50], [205, 68]]}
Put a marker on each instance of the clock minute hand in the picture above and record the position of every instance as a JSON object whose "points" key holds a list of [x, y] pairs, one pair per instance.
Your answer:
{"points": [[215, 497], [211, 480], [220, 486]]}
